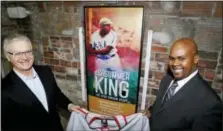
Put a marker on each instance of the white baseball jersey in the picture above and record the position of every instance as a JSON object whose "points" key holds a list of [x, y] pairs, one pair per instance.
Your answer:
{"points": [[99, 43], [87, 121], [111, 60]]}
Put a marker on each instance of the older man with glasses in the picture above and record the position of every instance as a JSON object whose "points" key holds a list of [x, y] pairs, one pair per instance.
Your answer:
{"points": [[30, 95]]}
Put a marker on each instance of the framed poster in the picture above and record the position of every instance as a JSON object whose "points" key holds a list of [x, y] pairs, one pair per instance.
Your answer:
{"points": [[113, 43]]}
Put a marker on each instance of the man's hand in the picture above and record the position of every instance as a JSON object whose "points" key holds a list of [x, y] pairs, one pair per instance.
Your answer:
{"points": [[146, 113], [72, 107]]}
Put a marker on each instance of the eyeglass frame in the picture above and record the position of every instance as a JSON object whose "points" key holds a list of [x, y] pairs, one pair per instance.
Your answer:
{"points": [[19, 54]]}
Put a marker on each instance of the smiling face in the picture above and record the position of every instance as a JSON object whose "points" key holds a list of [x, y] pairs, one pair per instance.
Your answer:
{"points": [[22, 62], [182, 59]]}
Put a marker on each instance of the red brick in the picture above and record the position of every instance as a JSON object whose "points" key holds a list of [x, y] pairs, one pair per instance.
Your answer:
{"points": [[74, 64], [69, 3], [58, 69], [46, 60], [67, 44], [65, 63], [66, 38], [153, 84], [208, 55], [209, 74], [56, 43], [159, 49], [197, 8], [159, 75], [161, 57], [48, 54], [54, 38], [156, 21], [207, 64], [54, 62], [157, 66]]}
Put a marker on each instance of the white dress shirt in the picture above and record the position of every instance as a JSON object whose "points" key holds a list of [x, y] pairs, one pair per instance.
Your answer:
{"points": [[182, 82], [35, 85]]}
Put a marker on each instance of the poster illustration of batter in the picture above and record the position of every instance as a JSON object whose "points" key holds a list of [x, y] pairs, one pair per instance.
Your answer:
{"points": [[113, 54]]}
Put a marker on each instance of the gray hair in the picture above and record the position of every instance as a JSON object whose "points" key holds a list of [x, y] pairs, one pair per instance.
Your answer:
{"points": [[13, 38]]}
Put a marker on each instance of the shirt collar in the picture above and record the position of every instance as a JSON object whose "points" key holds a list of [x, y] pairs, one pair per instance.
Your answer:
{"points": [[23, 77], [185, 80]]}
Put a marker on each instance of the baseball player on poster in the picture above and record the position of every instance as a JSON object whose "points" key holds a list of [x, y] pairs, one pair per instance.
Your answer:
{"points": [[103, 45]]}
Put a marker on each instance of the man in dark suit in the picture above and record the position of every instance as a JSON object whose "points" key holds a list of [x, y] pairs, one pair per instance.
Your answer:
{"points": [[30, 95], [185, 102]]}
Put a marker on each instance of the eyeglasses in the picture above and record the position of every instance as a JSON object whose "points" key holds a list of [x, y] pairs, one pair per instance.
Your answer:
{"points": [[20, 54]]}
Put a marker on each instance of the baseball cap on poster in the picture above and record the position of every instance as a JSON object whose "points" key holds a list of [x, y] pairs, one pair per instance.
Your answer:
{"points": [[105, 21]]}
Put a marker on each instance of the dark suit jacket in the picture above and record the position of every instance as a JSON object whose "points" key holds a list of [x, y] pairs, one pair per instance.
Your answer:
{"points": [[21, 109], [195, 107]]}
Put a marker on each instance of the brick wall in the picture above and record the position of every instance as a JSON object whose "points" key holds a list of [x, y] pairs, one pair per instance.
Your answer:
{"points": [[52, 26]]}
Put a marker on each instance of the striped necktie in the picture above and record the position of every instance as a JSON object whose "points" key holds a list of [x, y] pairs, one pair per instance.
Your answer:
{"points": [[170, 92]]}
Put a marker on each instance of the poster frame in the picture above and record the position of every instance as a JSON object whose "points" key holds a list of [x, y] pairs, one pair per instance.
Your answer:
{"points": [[86, 35]]}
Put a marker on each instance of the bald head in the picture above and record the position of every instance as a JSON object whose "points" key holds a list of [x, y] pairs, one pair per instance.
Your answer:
{"points": [[183, 58], [186, 43]]}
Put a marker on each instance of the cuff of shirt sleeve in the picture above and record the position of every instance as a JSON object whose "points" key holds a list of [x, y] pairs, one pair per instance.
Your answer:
{"points": [[70, 106]]}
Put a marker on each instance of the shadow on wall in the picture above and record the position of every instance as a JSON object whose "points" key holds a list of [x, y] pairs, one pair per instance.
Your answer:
{"points": [[5, 65]]}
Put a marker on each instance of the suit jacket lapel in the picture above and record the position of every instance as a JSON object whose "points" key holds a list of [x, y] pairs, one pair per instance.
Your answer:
{"points": [[22, 93], [180, 94], [162, 92]]}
